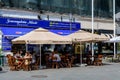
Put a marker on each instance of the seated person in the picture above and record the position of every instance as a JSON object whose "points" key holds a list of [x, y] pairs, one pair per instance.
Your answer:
{"points": [[28, 55], [55, 56], [12, 62], [56, 59], [28, 58], [17, 55], [33, 58], [18, 58], [48, 59]]}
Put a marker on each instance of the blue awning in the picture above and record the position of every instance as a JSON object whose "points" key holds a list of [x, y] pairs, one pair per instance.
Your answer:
{"points": [[15, 31]]}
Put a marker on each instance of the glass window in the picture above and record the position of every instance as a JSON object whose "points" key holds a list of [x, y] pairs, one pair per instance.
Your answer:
{"points": [[57, 3], [45, 5], [107, 48], [118, 48], [102, 8]]}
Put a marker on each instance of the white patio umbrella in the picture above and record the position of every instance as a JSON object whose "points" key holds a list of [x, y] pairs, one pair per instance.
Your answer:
{"points": [[114, 39], [41, 36], [84, 36]]}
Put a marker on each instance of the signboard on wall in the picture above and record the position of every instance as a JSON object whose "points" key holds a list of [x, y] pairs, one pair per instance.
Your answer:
{"points": [[15, 22], [14, 27], [79, 47], [0, 40]]}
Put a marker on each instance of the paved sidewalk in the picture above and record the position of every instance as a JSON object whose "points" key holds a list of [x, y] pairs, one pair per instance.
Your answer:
{"points": [[109, 71]]}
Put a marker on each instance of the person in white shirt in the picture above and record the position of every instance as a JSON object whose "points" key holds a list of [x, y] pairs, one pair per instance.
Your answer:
{"points": [[33, 58], [56, 59], [17, 55]]}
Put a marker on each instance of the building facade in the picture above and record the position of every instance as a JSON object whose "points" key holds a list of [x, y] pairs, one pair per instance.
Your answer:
{"points": [[80, 10], [102, 8]]}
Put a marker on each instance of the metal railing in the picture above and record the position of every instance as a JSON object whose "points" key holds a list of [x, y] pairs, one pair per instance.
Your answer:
{"points": [[3, 61]]}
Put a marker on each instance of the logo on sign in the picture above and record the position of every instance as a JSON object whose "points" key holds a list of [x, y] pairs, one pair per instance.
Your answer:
{"points": [[16, 21], [18, 32], [60, 32]]}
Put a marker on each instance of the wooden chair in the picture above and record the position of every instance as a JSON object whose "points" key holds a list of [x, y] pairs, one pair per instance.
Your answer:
{"points": [[48, 62], [88, 59], [98, 61], [12, 63], [67, 62], [63, 61], [54, 62], [72, 60], [27, 64], [36, 65]]}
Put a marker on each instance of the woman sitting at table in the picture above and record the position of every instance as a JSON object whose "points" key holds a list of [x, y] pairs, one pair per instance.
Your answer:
{"points": [[28, 55], [27, 61], [17, 55], [27, 58], [18, 58]]}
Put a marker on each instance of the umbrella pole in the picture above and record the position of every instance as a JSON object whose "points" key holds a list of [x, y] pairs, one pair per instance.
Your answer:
{"points": [[114, 50], [80, 54], [92, 52], [26, 47], [81, 63], [40, 57]]}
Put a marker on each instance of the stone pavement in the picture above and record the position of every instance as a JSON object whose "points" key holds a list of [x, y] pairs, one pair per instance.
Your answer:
{"points": [[109, 71]]}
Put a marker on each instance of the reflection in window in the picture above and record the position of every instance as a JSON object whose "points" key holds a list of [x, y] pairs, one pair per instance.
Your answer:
{"points": [[107, 48], [118, 48]]}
